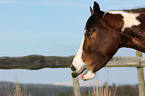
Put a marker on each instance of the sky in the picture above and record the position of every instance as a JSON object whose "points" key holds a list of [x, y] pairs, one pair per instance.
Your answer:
{"points": [[54, 28]]}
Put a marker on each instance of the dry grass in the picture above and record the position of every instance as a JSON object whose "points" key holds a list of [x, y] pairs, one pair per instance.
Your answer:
{"points": [[17, 90], [101, 91]]}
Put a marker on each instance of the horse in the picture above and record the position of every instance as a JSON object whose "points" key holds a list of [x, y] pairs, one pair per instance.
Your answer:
{"points": [[104, 34]]}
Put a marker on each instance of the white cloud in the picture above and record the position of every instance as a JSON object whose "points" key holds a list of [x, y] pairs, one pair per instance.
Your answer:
{"points": [[91, 83]]}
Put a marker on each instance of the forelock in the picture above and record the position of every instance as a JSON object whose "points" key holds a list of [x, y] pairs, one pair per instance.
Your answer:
{"points": [[91, 21]]}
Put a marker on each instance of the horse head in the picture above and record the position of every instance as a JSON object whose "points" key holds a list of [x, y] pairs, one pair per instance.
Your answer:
{"points": [[103, 36]]}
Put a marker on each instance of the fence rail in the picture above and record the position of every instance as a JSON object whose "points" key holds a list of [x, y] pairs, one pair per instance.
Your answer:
{"points": [[126, 62], [35, 62]]}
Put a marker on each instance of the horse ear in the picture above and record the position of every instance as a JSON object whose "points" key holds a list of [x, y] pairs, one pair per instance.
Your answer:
{"points": [[96, 7], [91, 10], [97, 10]]}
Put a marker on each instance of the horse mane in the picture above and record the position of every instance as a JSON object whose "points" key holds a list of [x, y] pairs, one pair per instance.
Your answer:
{"points": [[138, 10]]}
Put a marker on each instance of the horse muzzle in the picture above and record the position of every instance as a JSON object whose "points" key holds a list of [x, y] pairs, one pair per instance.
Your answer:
{"points": [[75, 72]]}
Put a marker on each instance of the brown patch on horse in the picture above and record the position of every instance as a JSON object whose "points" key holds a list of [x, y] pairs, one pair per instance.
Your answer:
{"points": [[114, 20], [137, 41]]}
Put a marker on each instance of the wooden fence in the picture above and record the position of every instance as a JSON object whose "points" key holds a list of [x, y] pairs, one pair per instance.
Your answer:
{"points": [[36, 62]]}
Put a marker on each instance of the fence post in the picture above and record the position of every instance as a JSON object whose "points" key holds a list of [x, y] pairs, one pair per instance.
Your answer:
{"points": [[76, 86], [141, 85]]}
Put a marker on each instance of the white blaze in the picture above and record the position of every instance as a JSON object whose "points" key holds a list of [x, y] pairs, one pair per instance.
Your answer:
{"points": [[77, 61], [128, 18]]}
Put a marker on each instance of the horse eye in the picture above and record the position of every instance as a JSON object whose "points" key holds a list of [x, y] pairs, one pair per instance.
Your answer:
{"points": [[93, 30], [88, 34]]}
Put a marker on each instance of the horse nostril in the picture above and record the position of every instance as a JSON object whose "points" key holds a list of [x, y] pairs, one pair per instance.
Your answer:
{"points": [[74, 75], [73, 68]]}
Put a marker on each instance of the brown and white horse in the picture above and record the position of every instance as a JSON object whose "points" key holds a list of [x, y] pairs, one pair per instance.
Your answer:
{"points": [[105, 33]]}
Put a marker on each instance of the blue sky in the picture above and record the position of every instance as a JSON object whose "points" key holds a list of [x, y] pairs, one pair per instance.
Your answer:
{"points": [[54, 28]]}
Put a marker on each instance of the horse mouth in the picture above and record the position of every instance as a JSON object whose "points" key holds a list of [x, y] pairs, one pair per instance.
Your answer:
{"points": [[75, 73]]}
